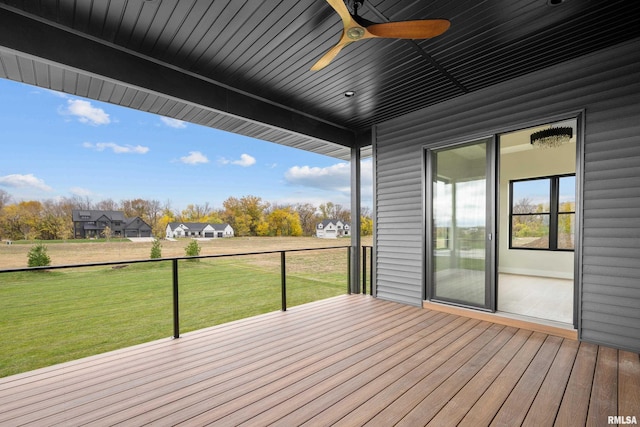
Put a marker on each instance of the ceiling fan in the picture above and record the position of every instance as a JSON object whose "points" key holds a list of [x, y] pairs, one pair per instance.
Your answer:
{"points": [[357, 28]]}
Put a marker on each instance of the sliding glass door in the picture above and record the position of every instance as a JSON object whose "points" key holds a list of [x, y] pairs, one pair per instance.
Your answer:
{"points": [[460, 236]]}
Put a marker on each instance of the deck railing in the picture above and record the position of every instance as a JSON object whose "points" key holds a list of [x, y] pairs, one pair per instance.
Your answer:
{"points": [[367, 265], [131, 292]]}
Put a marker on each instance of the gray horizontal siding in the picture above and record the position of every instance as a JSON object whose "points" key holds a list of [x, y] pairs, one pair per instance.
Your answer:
{"points": [[606, 86], [398, 211]]}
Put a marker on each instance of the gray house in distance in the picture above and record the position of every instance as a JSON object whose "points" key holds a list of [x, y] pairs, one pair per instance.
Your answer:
{"points": [[92, 224], [449, 122]]}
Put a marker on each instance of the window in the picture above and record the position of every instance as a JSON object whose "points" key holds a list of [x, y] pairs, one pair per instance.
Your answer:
{"points": [[542, 213]]}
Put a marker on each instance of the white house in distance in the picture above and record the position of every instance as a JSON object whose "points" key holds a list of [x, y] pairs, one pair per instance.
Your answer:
{"points": [[198, 230], [331, 229]]}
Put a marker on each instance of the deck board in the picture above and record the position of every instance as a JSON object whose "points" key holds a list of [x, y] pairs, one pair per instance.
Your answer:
{"points": [[515, 408], [628, 383], [485, 409], [458, 405], [430, 405], [605, 385], [350, 360], [575, 400], [547, 402]]}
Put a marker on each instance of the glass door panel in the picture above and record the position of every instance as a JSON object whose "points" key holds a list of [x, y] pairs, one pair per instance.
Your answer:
{"points": [[459, 244]]}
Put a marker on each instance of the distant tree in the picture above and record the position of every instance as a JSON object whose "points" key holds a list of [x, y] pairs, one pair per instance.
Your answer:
{"points": [[524, 205], [166, 217], [566, 222], [26, 218], [52, 227], [37, 256], [135, 208], [156, 249], [203, 213], [332, 210], [188, 214], [214, 217], [241, 224], [366, 226], [62, 209], [10, 218], [245, 215], [107, 205], [529, 225], [154, 213], [192, 249], [309, 218], [5, 198], [56, 220], [107, 233], [81, 203], [284, 222]]}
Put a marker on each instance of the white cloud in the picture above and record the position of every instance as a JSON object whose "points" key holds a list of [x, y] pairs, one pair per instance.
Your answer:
{"points": [[56, 93], [79, 191], [23, 181], [194, 158], [173, 123], [244, 161], [116, 148], [335, 178], [86, 113]]}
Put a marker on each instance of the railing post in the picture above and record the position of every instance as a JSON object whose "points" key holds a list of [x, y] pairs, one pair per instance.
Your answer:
{"points": [[176, 307], [364, 270], [283, 280], [349, 270], [371, 271]]}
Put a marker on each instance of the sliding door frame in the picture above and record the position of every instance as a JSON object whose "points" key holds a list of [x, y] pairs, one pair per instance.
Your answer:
{"points": [[490, 221], [493, 167]]}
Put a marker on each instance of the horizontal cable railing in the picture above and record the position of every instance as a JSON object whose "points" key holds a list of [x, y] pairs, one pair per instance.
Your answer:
{"points": [[61, 308]]}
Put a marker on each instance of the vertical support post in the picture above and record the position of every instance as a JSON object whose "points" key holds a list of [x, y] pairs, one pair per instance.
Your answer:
{"points": [[364, 270], [283, 280], [354, 268], [176, 306]]}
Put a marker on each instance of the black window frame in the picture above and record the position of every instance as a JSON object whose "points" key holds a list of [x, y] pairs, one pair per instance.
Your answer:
{"points": [[554, 212]]}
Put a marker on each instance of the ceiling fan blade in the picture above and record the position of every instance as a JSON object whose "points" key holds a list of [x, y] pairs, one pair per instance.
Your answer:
{"points": [[419, 29], [328, 57], [341, 9]]}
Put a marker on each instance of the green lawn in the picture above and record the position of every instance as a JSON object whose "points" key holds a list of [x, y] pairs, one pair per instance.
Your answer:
{"points": [[54, 316]]}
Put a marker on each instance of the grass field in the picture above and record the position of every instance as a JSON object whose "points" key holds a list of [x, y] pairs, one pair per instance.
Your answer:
{"points": [[49, 317]]}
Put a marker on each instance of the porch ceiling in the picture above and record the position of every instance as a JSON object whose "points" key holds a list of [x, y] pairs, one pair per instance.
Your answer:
{"points": [[244, 66]]}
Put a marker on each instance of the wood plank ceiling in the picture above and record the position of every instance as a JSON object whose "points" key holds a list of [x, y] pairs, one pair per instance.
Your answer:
{"points": [[263, 50]]}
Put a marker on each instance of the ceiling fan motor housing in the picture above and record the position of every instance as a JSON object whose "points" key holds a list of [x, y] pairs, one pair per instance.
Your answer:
{"points": [[355, 33]]}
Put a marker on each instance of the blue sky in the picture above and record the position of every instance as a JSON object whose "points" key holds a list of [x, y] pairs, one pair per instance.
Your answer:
{"points": [[58, 145]]}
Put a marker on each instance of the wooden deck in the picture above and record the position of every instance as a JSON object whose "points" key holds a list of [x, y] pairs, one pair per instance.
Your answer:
{"points": [[351, 360]]}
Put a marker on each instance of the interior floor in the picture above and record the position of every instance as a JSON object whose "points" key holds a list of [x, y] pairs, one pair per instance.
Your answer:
{"points": [[540, 297]]}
